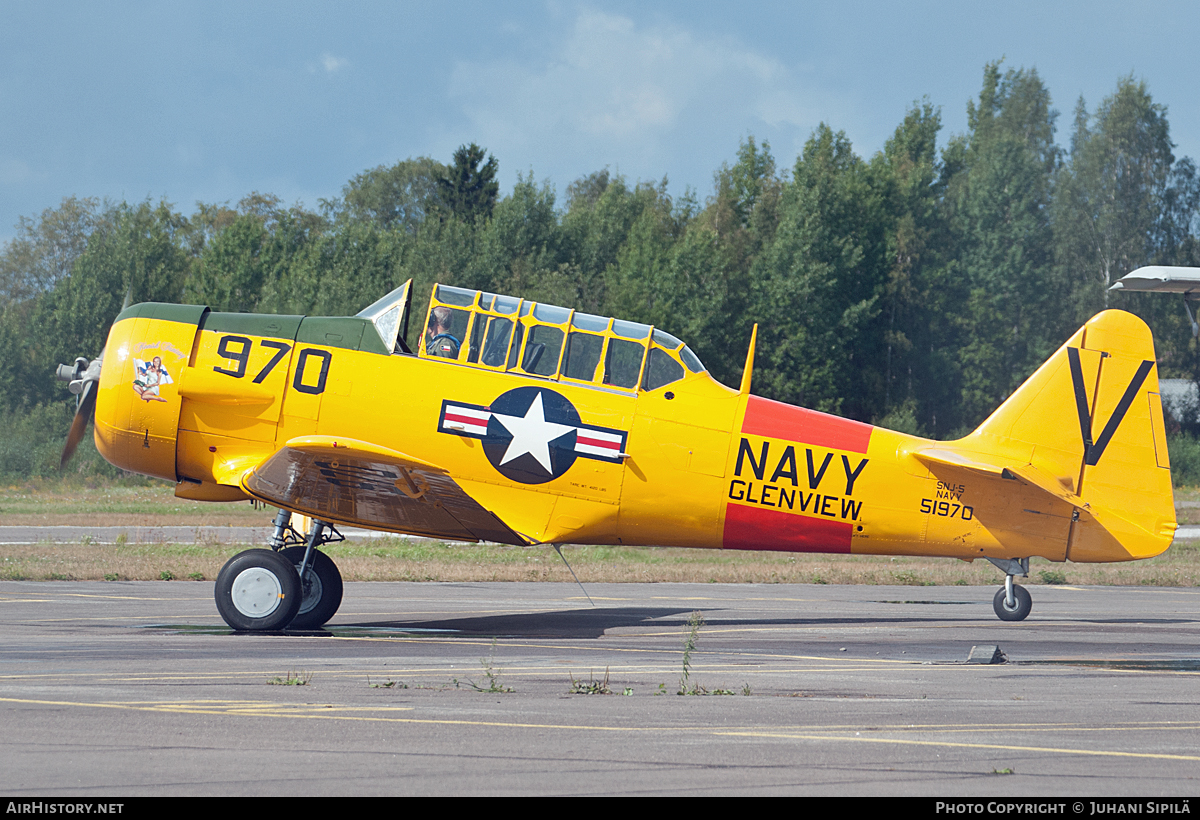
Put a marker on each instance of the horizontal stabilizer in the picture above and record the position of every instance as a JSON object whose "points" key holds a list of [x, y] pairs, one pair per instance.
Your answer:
{"points": [[1025, 474], [953, 458]]}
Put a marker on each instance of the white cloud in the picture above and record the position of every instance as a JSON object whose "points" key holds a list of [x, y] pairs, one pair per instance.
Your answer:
{"points": [[332, 63], [328, 63], [609, 90]]}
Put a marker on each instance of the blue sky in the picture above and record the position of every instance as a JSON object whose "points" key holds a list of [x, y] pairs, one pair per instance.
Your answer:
{"points": [[210, 101]]}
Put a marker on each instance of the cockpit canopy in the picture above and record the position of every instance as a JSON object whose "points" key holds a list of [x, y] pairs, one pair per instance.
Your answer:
{"points": [[390, 317], [506, 333]]}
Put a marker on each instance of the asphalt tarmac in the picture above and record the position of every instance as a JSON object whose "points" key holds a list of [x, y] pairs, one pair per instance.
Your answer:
{"points": [[137, 688], [69, 534]]}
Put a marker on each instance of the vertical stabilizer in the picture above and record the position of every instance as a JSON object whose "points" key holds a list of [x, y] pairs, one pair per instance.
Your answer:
{"points": [[1090, 422]]}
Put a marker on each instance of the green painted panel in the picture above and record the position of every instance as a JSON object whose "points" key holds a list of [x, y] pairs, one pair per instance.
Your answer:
{"points": [[268, 325], [184, 314], [347, 332]]}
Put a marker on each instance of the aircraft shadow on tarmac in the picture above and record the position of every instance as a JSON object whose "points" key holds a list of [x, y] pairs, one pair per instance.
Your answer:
{"points": [[587, 623], [593, 623], [570, 623]]}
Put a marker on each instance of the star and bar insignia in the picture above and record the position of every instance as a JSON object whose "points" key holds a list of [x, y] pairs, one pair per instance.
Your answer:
{"points": [[532, 434]]}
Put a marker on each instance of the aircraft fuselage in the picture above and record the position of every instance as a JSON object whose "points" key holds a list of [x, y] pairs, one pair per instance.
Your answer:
{"points": [[691, 464]]}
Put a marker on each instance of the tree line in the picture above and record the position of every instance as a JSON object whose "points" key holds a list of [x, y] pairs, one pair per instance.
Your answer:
{"points": [[914, 289]]}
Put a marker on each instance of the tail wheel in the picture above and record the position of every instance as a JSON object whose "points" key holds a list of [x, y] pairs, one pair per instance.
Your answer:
{"points": [[321, 589], [1022, 600], [258, 591]]}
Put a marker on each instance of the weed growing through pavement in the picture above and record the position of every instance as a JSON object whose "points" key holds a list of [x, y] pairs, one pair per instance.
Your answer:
{"points": [[293, 679], [591, 686], [695, 621], [491, 673], [388, 684]]}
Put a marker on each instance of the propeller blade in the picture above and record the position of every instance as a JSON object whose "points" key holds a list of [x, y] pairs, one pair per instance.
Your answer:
{"points": [[83, 414], [84, 378]]}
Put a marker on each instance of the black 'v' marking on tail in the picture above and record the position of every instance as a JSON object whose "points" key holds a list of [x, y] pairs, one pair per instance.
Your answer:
{"points": [[1081, 403], [1093, 450]]}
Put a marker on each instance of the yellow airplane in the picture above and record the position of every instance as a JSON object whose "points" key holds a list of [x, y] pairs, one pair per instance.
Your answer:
{"points": [[525, 423]]}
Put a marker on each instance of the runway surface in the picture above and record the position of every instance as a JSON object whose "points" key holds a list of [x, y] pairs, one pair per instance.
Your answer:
{"points": [[67, 534], [120, 689]]}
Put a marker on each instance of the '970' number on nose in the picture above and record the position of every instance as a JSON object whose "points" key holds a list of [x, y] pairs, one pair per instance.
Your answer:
{"points": [[236, 349]]}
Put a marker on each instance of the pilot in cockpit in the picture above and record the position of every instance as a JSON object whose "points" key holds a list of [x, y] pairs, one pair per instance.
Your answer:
{"points": [[441, 341]]}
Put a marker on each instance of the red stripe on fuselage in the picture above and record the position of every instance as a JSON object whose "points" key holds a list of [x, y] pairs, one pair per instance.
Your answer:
{"points": [[747, 528], [580, 438], [472, 420], [773, 419]]}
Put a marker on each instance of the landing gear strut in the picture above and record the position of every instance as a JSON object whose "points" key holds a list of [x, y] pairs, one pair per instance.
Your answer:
{"points": [[293, 585], [1012, 602]]}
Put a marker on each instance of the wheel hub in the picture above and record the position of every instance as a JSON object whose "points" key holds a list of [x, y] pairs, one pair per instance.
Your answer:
{"points": [[256, 592], [311, 590]]}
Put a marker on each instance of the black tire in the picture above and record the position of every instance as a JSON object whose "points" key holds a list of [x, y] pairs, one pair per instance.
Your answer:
{"points": [[258, 591], [321, 595], [1023, 600]]}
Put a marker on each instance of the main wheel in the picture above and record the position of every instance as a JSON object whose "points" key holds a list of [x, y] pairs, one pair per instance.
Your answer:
{"points": [[321, 590], [1023, 600], [257, 591]]}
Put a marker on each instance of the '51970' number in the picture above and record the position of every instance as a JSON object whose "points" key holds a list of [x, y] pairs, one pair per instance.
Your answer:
{"points": [[947, 509]]}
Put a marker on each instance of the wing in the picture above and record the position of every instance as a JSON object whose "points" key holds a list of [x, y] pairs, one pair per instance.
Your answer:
{"points": [[354, 482]]}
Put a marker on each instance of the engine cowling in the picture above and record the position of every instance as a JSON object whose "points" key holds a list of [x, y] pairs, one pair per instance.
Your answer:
{"points": [[137, 408]]}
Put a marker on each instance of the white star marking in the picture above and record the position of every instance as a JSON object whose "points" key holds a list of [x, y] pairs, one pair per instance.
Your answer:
{"points": [[531, 434]]}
